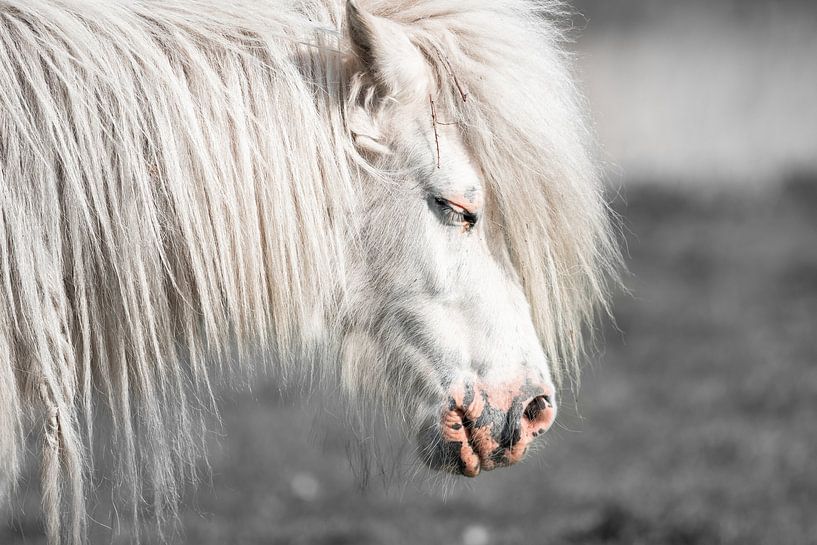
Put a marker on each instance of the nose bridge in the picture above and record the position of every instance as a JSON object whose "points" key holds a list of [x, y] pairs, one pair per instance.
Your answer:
{"points": [[504, 344]]}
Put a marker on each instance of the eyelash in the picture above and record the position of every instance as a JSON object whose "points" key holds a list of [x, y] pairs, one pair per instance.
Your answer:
{"points": [[454, 215]]}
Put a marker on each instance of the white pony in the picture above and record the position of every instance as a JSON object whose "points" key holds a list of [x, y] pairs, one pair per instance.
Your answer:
{"points": [[394, 195]]}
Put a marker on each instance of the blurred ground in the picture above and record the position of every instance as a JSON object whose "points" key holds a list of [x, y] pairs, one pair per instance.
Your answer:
{"points": [[697, 422]]}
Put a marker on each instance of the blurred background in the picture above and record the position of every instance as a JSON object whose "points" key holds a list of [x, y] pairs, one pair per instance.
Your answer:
{"points": [[697, 422], [711, 93]]}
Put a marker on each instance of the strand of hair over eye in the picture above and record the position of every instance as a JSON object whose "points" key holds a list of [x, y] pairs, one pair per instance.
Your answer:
{"points": [[434, 121]]}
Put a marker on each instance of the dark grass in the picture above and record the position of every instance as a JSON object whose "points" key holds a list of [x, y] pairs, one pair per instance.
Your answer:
{"points": [[698, 420]]}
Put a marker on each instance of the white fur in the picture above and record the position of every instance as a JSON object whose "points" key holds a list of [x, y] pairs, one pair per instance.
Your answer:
{"points": [[181, 193]]}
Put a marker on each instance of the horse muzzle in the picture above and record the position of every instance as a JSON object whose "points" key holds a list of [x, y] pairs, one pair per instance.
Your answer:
{"points": [[486, 426]]}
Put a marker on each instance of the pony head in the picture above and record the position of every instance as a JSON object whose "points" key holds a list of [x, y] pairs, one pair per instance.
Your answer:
{"points": [[189, 185], [439, 324]]}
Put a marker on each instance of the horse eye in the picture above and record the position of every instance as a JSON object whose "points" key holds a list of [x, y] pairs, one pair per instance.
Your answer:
{"points": [[456, 215]]}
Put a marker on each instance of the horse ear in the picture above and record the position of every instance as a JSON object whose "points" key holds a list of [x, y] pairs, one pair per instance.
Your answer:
{"points": [[387, 53]]}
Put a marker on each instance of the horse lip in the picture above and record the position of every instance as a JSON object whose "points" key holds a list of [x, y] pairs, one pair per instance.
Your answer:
{"points": [[471, 473], [474, 454], [469, 462], [446, 447]]}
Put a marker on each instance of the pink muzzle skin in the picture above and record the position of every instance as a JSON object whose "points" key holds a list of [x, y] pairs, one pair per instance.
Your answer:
{"points": [[492, 426]]}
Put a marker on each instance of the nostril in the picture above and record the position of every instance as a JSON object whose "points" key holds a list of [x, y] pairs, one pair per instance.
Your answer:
{"points": [[537, 406]]}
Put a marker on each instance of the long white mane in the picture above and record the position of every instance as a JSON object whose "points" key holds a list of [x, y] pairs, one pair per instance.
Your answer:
{"points": [[178, 188]]}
